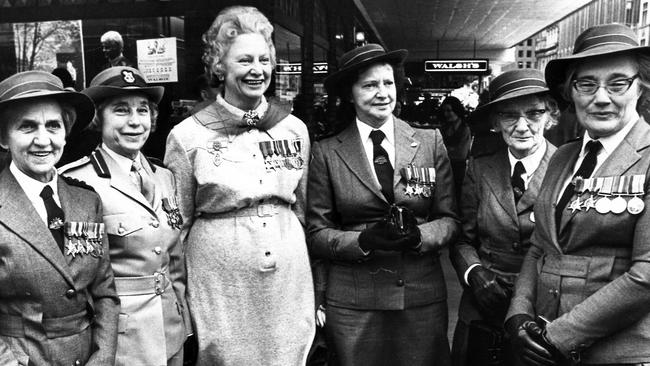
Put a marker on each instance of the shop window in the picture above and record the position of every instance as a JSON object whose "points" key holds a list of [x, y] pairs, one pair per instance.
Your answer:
{"points": [[289, 63]]}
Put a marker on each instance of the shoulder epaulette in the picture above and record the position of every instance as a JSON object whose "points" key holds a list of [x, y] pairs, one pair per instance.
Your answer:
{"points": [[97, 160], [76, 182], [74, 164]]}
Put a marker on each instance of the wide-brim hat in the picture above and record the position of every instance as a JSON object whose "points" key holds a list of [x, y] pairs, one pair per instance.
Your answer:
{"points": [[510, 85], [358, 58], [121, 80], [605, 39], [32, 85]]}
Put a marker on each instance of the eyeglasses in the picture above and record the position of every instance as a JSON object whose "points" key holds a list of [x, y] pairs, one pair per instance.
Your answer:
{"points": [[613, 87], [509, 119]]}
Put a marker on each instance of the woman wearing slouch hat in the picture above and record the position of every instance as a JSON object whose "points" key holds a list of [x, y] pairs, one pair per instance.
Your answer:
{"points": [[58, 304], [583, 291], [241, 169], [381, 206]]}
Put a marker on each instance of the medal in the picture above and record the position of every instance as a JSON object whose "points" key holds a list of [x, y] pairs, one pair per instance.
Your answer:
{"points": [[619, 204], [407, 174], [575, 205], [636, 205], [217, 160], [603, 205], [174, 218], [589, 203]]}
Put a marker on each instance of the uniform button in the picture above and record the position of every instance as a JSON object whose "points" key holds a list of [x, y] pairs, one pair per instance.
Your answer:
{"points": [[77, 363], [155, 224], [157, 250], [120, 230], [400, 282], [70, 293], [553, 292]]}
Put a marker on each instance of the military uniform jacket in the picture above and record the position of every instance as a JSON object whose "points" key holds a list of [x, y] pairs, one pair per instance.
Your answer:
{"points": [[55, 309], [344, 198], [592, 279], [495, 232], [146, 257]]}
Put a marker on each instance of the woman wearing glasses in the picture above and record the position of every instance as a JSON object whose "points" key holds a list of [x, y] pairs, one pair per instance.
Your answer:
{"points": [[587, 275], [499, 191]]}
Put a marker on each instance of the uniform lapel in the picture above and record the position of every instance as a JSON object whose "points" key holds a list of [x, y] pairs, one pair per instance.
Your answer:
{"points": [[354, 157], [19, 215], [497, 177], [122, 182], [530, 196], [406, 146]]}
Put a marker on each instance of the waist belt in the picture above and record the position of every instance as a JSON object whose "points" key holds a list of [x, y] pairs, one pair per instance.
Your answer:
{"points": [[581, 266], [16, 326], [263, 208], [142, 285]]}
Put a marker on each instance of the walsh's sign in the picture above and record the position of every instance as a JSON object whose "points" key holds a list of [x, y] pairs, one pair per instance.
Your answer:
{"points": [[296, 68], [472, 66]]}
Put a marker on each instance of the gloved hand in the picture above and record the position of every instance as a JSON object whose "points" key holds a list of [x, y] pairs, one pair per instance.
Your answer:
{"points": [[492, 298], [531, 343], [404, 222], [384, 236]]}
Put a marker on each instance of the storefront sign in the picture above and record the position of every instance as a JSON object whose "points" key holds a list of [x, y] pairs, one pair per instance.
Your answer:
{"points": [[157, 59], [456, 65], [296, 68]]}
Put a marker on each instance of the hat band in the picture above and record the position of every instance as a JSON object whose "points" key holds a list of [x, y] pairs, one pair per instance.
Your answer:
{"points": [[518, 85], [119, 81], [604, 40], [28, 86], [366, 55]]}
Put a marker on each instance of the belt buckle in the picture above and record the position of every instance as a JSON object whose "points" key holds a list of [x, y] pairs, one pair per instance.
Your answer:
{"points": [[159, 283], [265, 209]]}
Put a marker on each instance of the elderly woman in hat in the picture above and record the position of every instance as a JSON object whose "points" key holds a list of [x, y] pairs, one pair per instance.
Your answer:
{"points": [[380, 208], [498, 196], [58, 304], [241, 169], [586, 277], [141, 219]]}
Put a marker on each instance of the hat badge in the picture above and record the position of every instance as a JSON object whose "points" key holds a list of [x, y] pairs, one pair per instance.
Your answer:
{"points": [[128, 77]]}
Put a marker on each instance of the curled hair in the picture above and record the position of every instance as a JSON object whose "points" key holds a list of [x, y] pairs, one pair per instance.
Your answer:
{"points": [[12, 113], [98, 120], [230, 23], [550, 104]]}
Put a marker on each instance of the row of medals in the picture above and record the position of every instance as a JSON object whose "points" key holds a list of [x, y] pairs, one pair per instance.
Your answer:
{"points": [[614, 194], [282, 154], [420, 181], [83, 238]]}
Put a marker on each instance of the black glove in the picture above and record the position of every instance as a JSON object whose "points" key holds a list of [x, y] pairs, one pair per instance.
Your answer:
{"points": [[404, 222], [382, 236], [492, 298], [190, 350], [531, 343]]}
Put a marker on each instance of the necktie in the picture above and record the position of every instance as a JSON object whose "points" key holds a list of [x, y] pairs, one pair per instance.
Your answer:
{"points": [[383, 169], [586, 168], [518, 186], [55, 217], [142, 181]]}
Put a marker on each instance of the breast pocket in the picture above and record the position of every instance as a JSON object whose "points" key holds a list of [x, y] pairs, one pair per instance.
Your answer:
{"points": [[122, 227]]}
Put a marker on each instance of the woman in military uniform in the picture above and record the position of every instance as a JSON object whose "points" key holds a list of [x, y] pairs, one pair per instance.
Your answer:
{"points": [[586, 276], [58, 304], [141, 218], [499, 193], [386, 294]]}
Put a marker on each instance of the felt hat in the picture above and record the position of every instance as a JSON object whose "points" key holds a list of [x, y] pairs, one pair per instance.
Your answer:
{"points": [[120, 80], [353, 60], [605, 39], [32, 85]]}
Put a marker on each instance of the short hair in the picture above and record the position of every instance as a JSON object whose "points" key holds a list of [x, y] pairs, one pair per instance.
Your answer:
{"points": [[112, 36], [642, 61], [550, 104], [456, 106], [97, 122], [10, 114], [230, 23]]}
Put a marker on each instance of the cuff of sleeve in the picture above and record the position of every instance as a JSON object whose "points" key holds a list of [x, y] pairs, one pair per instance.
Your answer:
{"points": [[466, 274]]}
